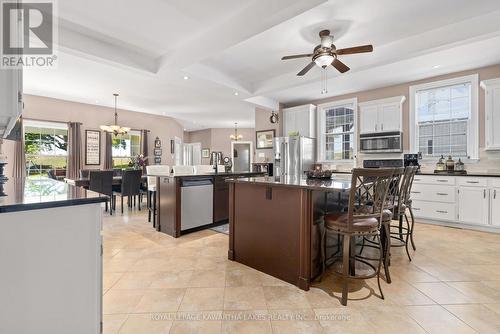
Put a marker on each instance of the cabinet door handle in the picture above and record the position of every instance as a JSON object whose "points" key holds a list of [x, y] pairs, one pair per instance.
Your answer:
{"points": [[494, 193], [484, 193], [442, 180], [442, 194], [417, 179], [375, 127], [416, 209], [382, 126], [472, 181], [441, 211]]}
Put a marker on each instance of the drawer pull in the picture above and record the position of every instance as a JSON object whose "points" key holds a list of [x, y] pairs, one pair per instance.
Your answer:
{"points": [[442, 194], [441, 211], [442, 180], [484, 193], [494, 193], [416, 192], [417, 179], [416, 209], [472, 181]]}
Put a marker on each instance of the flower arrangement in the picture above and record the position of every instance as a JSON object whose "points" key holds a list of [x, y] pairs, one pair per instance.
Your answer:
{"points": [[138, 162]]}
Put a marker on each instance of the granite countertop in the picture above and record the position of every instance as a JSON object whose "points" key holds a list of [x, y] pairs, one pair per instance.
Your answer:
{"points": [[336, 183], [207, 174], [31, 194], [469, 173]]}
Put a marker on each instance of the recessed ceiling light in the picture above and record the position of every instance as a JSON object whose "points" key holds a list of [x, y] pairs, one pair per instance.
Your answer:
{"points": [[436, 66], [186, 77], [236, 93]]}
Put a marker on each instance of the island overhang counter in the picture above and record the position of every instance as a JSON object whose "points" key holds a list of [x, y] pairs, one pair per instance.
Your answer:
{"points": [[274, 223]]}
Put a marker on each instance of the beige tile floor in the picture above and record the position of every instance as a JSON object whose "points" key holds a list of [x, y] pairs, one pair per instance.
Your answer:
{"points": [[157, 284]]}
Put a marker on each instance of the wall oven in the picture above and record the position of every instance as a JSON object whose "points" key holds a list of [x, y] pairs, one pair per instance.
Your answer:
{"points": [[381, 142]]}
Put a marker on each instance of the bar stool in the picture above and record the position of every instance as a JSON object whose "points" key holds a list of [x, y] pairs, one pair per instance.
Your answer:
{"points": [[367, 201], [153, 171], [404, 234]]}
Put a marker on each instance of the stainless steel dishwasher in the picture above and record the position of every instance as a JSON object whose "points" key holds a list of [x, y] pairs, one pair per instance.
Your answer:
{"points": [[197, 198]]}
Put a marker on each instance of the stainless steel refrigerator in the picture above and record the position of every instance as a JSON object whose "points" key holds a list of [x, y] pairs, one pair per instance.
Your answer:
{"points": [[293, 155]]}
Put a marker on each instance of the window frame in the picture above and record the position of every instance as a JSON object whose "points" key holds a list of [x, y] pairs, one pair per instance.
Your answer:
{"points": [[473, 124], [131, 132], [321, 123], [29, 123]]}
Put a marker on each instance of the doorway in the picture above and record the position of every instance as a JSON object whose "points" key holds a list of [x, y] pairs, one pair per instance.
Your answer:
{"points": [[242, 155], [192, 154]]}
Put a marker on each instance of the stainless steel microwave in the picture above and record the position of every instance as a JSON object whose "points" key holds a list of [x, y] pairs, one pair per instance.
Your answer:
{"points": [[381, 142]]}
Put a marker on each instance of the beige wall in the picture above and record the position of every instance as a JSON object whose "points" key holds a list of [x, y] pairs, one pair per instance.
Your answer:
{"points": [[217, 139], [488, 160], [92, 116], [262, 123]]}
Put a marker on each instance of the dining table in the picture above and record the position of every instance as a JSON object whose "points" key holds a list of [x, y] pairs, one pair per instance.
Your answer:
{"points": [[85, 181]]}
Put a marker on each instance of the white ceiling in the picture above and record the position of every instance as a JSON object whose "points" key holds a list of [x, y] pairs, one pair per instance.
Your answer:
{"points": [[143, 49]]}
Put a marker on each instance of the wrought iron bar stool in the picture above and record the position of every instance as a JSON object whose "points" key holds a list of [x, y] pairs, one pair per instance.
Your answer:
{"points": [[402, 232], [367, 201]]}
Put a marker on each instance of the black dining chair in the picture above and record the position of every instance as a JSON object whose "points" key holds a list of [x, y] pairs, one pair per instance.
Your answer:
{"points": [[102, 182], [84, 173], [131, 187], [52, 174]]}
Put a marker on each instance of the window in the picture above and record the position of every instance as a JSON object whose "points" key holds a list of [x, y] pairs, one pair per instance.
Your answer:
{"points": [[45, 147], [125, 147], [444, 118], [336, 138]]}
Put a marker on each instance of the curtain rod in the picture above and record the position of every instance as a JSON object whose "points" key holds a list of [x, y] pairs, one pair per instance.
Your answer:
{"points": [[48, 120]]}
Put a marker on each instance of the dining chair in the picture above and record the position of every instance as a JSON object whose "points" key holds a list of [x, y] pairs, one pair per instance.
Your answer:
{"points": [[130, 187], [102, 182], [51, 174], [84, 173], [183, 170], [203, 169], [367, 202], [161, 170]]}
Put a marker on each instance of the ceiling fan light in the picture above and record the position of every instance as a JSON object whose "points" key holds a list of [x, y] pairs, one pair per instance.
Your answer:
{"points": [[324, 60]]}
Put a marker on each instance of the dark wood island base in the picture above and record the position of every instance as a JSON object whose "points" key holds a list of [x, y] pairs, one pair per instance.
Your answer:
{"points": [[274, 225]]}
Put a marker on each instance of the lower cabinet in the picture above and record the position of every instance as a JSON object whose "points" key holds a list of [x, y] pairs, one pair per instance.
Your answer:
{"points": [[473, 205], [495, 206], [457, 199]]}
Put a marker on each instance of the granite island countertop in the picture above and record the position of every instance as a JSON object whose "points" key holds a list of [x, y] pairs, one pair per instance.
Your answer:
{"points": [[22, 194], [336, 183], [211, 174]]}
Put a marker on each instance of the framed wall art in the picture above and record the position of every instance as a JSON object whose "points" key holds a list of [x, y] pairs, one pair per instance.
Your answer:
{"points": [[92, 147]]}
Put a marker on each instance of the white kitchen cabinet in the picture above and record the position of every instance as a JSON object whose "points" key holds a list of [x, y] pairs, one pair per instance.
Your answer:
{"points": [[301, 119], [11, 90], [495, 206], [383, 115], [492, 110], [473, 205]]}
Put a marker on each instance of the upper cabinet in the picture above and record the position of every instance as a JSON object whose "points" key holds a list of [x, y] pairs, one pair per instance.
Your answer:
{"points": [[492, 111], [11, 102], [383, 115], [301, 119]]}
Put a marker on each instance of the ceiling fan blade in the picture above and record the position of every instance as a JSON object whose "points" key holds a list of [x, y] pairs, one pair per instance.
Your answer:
{"points": [[306, 69], [296, 56], [340, 66], [355, 49]]}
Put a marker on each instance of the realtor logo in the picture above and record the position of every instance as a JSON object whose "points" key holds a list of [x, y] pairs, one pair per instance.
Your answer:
{"points": [[28, 34]]}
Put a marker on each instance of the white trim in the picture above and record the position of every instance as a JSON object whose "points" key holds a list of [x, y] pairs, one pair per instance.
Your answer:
{"points": [[251, 152], [396, 99], [320, 120], [473, 135]]}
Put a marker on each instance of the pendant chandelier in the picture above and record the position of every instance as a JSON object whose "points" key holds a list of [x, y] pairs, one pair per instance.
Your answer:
{"points": [[236, 136], [115, 128]]}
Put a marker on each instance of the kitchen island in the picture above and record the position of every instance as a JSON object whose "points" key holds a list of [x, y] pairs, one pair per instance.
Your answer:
{"points": [[274, 223], [51, 257], [187, 203]]}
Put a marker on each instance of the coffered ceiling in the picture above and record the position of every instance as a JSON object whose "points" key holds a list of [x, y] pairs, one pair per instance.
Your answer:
{"points": [[144, 49]]}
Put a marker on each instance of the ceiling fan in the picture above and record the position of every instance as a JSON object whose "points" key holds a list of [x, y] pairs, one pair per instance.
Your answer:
{"points": [[327, 54]]}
